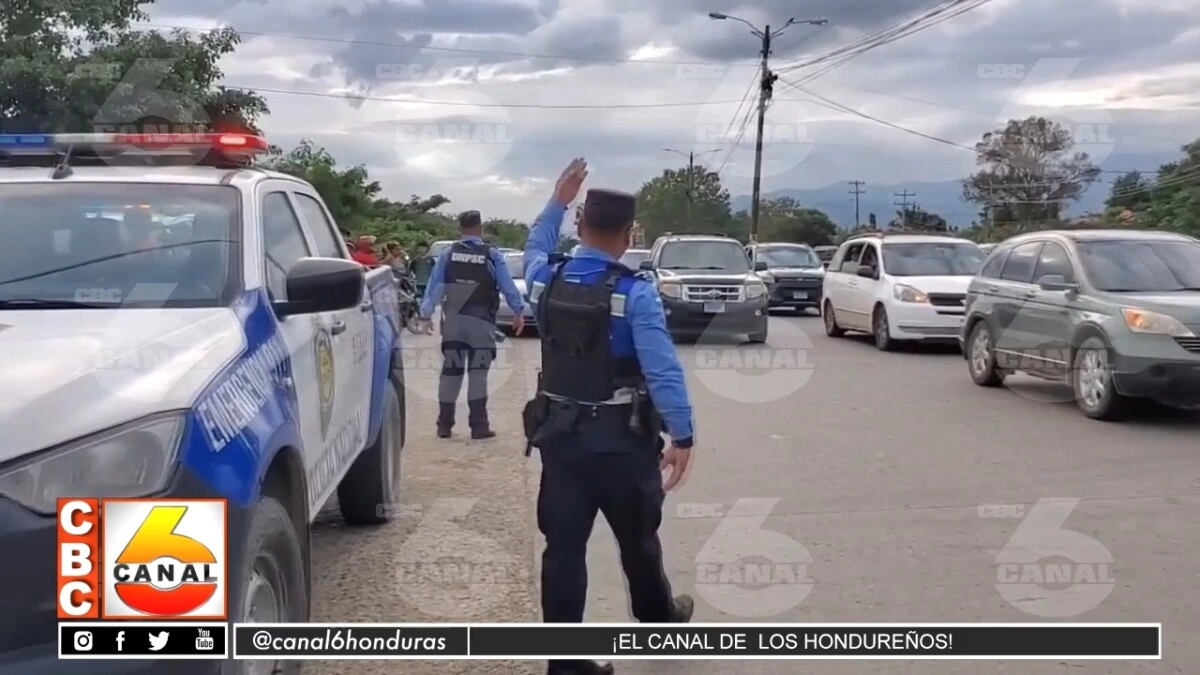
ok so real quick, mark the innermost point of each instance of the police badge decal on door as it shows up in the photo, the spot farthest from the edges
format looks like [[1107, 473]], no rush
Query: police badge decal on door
[[326, 384]]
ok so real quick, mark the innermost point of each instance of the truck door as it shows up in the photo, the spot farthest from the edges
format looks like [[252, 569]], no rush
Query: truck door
[[351, 332], [305, 336]]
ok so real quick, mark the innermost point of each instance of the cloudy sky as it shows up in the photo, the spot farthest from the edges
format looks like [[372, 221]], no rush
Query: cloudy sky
[[473, 98]]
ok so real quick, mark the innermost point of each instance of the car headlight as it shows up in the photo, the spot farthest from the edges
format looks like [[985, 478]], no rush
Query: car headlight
[[905, 293], [755, 290], [1154, 323], [671, 289], [134, 460]]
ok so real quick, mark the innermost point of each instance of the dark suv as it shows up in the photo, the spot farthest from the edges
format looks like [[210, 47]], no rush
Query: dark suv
[[708, 286], [794, 274], [1113, 313]]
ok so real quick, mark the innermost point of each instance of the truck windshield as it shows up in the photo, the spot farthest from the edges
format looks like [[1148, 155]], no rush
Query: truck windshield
[[1142, 266], [933, 259], [704, 255], [129, 245], [787, 256], [516, 265]]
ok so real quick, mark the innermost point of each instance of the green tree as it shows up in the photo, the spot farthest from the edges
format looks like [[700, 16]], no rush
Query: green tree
[[506, 233], [1029, 173], [1130, 191], [349, 193], [785, 219], [916, 218], [663, 203], [1170, 201], [77, 67]]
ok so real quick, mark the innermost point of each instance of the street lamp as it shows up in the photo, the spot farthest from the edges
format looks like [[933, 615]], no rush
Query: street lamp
[[691, 155], [765, 35]]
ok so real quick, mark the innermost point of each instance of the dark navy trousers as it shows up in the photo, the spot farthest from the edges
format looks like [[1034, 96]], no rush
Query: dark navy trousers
[[601, 469]]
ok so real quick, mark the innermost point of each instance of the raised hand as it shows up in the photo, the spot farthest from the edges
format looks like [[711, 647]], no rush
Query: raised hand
[[569, 183]]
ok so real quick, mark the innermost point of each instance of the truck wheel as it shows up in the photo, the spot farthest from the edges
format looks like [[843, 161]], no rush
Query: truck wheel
[[368, 492], [274, 588], [761, 336], [1092, 381]]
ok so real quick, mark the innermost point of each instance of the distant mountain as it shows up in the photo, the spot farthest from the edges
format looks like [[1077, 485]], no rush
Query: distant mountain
[[943, 198]]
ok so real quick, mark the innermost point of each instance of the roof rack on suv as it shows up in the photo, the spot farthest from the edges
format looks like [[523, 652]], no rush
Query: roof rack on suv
[[697, 234], [880, 234]]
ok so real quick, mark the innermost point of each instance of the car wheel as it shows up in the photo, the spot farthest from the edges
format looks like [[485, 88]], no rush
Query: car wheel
[[831, 325], [1093, 383], [761, 336], [882, 330], [274, 588], [981, 357], [369, 490]]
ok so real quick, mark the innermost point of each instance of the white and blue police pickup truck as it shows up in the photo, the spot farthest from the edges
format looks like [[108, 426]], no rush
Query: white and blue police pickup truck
[[176, 323]]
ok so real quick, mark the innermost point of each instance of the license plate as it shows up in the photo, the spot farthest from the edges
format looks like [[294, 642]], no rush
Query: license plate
[[799, 296], [714, 307]]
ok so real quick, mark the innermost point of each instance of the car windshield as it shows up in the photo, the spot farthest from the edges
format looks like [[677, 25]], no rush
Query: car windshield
[[132, 245], [932, 259], [787, 256], [1141, 266], [634, 259], [704, 255], [516, 266]]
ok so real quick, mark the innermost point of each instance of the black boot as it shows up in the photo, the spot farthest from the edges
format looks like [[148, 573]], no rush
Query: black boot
[[482, 434], [445, 420], [683, 608]]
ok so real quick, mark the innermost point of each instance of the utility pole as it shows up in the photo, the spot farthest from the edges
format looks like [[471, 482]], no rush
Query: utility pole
[[691, 180], [856, 191], [765, 88], [903, 204]]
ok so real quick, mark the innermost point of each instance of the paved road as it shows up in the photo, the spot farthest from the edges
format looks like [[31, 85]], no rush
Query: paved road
[[873, 465]]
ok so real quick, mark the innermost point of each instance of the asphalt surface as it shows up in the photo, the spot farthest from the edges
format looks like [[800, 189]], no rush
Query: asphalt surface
[[890, 481]]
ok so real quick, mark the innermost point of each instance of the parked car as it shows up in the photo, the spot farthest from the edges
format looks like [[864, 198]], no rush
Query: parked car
[[708, 286], [899, 287], [505, 316], [634, 257], [794, 274], [1113, 313], [825, 253], [987, 248]]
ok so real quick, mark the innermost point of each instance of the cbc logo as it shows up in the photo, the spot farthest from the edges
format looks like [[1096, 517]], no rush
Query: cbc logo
[[83, 641], [1001, 71]]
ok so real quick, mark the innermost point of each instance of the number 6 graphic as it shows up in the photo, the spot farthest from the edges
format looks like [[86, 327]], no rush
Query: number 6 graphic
[[1030, 565]]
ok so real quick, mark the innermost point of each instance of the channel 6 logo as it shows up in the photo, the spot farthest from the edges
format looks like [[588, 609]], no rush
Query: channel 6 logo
[[142, 559]]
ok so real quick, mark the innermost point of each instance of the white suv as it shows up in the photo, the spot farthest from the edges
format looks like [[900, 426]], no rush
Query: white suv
[[899, 287]]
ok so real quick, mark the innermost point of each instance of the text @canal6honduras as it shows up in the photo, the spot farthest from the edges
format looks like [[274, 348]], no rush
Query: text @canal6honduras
[[539, 642]]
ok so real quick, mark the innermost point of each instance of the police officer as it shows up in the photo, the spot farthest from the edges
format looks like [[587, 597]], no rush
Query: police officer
[[467, 279], [610, 382]]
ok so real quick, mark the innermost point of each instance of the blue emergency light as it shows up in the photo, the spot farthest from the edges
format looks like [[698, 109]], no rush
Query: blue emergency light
[[240, 144]]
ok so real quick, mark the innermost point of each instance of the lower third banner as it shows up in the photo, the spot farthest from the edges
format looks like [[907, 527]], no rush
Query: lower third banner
[[693, 641]]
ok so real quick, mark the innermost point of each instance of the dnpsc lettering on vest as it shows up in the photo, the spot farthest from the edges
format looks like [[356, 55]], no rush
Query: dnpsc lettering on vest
[[231, 406], [473, 258]]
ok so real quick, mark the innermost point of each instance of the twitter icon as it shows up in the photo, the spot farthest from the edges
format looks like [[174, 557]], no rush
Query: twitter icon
[[157, 642]]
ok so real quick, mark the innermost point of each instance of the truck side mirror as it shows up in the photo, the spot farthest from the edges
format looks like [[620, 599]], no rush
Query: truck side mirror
[[317, 285]]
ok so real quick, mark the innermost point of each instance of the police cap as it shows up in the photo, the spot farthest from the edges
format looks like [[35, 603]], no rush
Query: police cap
[[609, 209], [469, 219]]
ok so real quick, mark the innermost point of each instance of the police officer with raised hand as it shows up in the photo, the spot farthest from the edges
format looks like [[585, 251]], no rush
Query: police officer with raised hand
[[467, 280], [609, 384]]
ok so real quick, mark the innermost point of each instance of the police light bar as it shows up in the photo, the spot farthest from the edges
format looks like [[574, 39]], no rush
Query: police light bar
[[244, 144]]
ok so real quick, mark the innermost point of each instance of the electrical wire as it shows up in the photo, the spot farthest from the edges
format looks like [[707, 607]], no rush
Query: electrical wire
[[450, 50], [468, 104], [738, 141], [750, 89]]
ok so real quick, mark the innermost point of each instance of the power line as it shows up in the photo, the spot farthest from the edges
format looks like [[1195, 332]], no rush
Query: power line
[[733, 120], [738, 141], [451, 50], [856, 191], [468, 104]]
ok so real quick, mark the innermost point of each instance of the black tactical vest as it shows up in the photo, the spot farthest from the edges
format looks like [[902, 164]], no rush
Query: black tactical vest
[[471, 288], [574, 321]]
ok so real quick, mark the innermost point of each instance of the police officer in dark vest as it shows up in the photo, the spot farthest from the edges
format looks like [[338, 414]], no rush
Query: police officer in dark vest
[[467, 280], [610, 384]]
